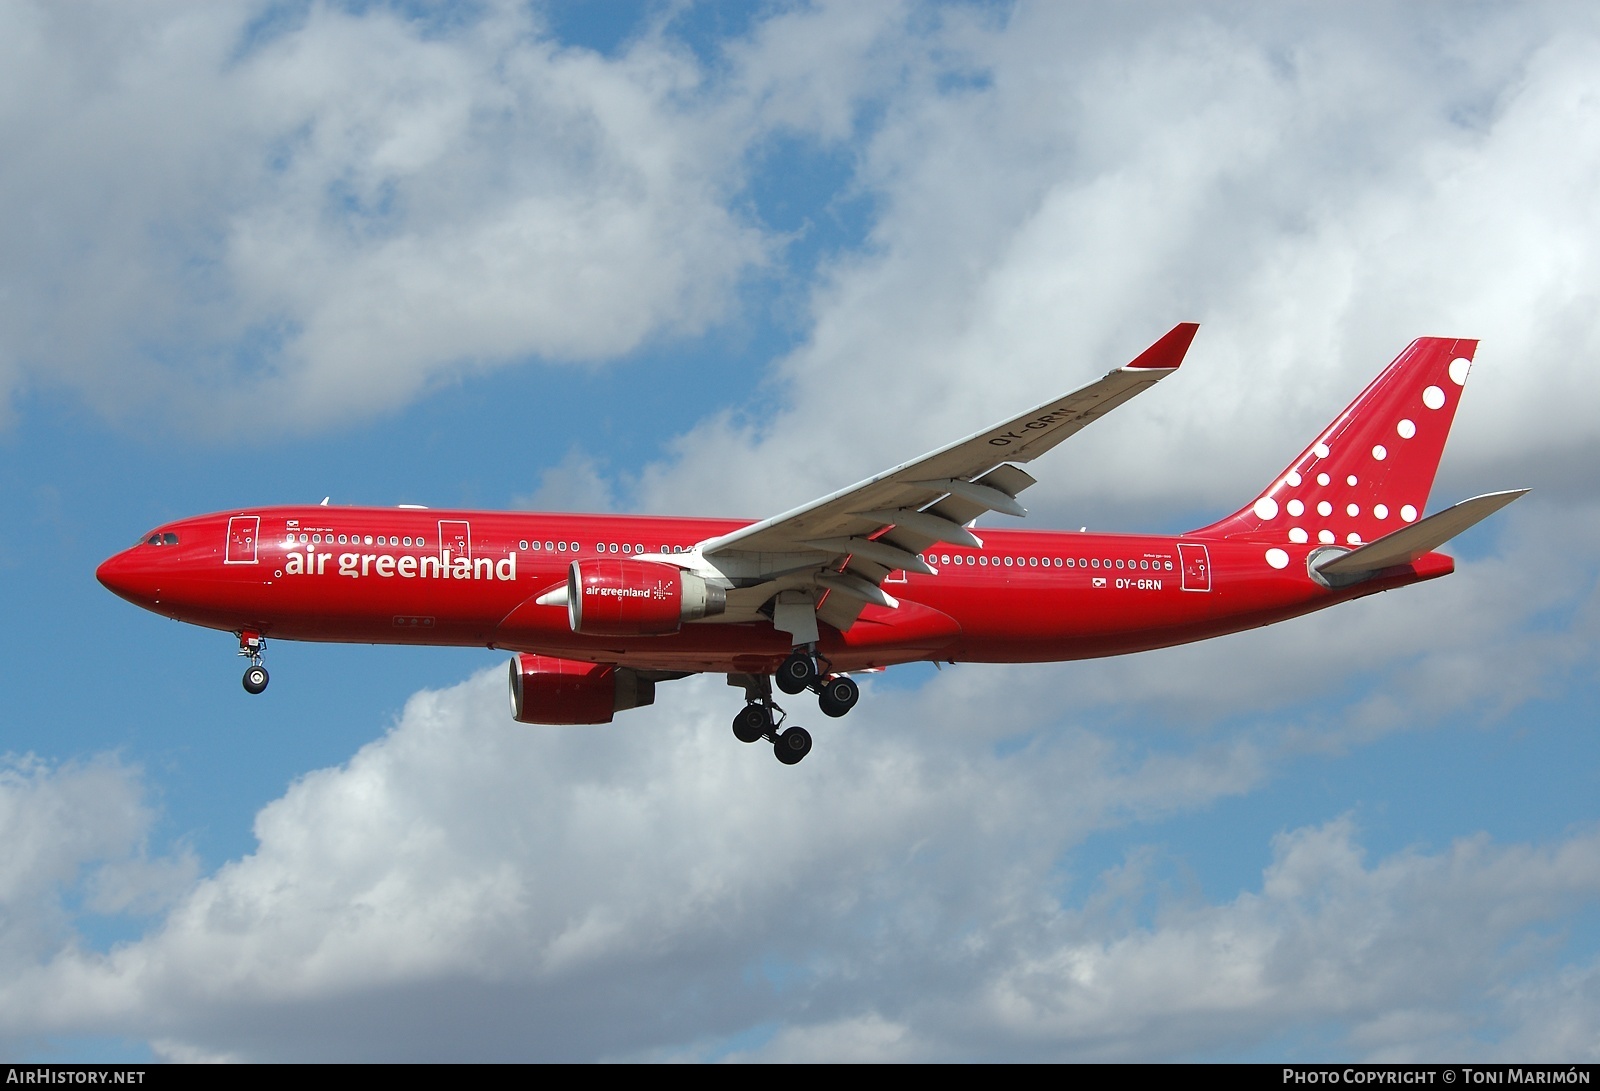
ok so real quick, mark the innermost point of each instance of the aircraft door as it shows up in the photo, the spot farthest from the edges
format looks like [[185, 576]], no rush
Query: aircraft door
[[455, 540], [242, 532], [1196, 563]]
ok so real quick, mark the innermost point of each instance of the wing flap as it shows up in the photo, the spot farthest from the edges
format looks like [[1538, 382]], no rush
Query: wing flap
[[957, 510], [840, 611]]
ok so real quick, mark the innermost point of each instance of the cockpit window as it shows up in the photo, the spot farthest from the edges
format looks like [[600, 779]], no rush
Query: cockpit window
[[159, 538], [169, 538]]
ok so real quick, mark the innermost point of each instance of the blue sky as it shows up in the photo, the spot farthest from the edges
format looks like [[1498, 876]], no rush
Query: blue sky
[[722, 259]]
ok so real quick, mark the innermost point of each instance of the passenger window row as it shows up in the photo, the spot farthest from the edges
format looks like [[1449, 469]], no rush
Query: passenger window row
[[1009, 561], [352, 539], [600, 547]]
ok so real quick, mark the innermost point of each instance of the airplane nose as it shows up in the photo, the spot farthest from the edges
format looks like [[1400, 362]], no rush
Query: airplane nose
[[127, 575]]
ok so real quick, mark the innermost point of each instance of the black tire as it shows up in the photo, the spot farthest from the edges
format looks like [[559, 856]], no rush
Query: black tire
[[839, 695], [796, 673], [751, 723], [255, 679], [792, 745]]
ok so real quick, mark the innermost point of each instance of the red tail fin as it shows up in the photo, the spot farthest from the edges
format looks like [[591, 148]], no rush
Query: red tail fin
[[1370, 471]]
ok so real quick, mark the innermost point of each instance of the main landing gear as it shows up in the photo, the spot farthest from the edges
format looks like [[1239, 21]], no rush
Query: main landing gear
[[836, 694], [255, 675], [762, 719]]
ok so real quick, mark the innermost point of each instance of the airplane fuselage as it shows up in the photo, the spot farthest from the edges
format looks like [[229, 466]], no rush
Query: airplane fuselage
[[472, 578]]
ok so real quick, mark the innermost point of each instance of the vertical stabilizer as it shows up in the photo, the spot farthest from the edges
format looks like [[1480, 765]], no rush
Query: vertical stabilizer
[[1369, 473]]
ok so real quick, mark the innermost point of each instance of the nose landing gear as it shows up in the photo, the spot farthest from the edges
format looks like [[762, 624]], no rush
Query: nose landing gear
[[255, 675]]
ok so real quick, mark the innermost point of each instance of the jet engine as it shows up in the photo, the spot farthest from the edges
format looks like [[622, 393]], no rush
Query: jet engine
[[615, 597], [547, 690]]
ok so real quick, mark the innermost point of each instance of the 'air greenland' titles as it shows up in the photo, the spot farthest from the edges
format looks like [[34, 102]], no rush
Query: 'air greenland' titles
[[405, 566]]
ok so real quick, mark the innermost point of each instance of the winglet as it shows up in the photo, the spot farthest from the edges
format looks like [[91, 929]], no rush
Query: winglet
[[1167, 353]]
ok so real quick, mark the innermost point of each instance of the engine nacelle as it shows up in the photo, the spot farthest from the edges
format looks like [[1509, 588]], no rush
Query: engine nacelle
[[616, 597], [547, 690]]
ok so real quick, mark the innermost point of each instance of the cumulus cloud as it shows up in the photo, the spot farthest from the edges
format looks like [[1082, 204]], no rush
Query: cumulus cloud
[[463, 887], [1317, 190], [76, 838], [577, 483], [562, 893], [310, 215]]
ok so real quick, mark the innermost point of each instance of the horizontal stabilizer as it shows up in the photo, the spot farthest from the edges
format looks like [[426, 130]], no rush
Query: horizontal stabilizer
[[1409, 543]]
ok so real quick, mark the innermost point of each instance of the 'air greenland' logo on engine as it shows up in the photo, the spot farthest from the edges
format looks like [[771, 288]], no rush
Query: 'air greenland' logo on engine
[[659, 593], [404, 566]]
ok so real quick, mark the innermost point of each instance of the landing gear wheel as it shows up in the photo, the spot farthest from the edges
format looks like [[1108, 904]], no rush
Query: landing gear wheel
[[255, 679], [797, 672], [839, 695], [792, 745], [751, 723]]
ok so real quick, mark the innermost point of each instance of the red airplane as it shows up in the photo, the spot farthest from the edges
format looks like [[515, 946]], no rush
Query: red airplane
[[600, 608]]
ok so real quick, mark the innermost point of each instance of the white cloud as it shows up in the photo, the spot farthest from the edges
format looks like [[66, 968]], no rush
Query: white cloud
[[466, 887], [577, 483], [296, 221], [1316, 190], [79, 828]]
